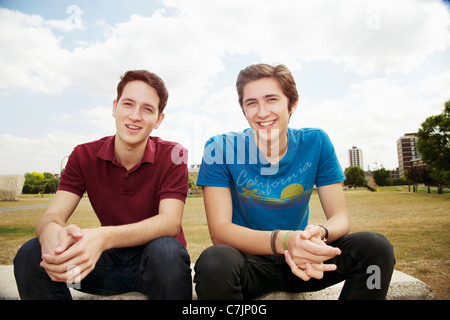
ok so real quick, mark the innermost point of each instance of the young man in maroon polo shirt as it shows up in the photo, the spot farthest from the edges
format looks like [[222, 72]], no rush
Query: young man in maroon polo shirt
[[137, 185]]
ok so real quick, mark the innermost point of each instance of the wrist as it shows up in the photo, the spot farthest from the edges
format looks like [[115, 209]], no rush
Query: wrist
[[106, 236], [49, 237], [273, 241], [281, 242], [324, 233]]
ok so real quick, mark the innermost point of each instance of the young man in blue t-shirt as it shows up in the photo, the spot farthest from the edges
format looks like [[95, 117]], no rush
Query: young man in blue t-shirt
[[257, 186]]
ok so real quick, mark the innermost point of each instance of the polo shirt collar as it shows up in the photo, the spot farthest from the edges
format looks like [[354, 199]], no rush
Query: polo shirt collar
[[106, 151]]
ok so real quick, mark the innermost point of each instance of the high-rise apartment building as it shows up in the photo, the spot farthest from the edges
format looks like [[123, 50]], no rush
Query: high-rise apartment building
[[407, 152], [355, 157]]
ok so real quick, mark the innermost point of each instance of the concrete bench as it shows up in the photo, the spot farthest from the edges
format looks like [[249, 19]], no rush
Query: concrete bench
[[402, 287]]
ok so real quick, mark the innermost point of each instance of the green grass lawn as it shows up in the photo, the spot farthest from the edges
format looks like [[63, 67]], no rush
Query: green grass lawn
[[417, 224]]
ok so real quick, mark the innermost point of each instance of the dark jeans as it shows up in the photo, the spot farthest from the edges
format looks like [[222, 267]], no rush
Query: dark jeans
[[222, 272], [160, 269]]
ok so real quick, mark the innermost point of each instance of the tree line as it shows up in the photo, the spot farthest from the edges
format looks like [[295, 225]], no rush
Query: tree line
[[355, 177], [434, 146], [46, 182], [36, 182]]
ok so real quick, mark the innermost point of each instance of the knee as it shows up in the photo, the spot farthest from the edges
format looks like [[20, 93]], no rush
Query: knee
[[219, 263], [27, 263], [166, 270], [165, 252], [218, 259], [378, 248], [29, 254], [217, 273]]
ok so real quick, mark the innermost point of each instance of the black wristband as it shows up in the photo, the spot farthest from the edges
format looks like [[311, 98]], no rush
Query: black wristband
[[326, 233], [273, 238]]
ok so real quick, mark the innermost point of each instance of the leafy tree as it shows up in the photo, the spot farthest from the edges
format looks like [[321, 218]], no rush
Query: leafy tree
[[434, 140], [419, 174], [434, 145], [191, 182], [36, 182], [381, 177], [355, 177], [37, 175], [48, 175]]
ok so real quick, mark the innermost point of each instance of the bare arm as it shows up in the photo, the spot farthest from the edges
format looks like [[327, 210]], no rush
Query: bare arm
[[166, 223], [333, 203], [218, 205]]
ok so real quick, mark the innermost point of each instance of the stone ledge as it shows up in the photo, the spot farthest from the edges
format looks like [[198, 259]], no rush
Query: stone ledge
[[402, 287]]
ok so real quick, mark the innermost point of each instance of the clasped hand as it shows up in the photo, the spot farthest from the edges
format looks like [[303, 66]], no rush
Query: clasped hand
[[306, 252], [74, 256]]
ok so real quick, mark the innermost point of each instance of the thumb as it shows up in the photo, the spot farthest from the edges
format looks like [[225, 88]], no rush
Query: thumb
[[74, 231], [305, 235], [73, 234]]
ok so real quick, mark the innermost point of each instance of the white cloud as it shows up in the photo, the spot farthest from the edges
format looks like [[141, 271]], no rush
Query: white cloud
[[188, 44], [372, 115], [365, 36], [172, 47], [31, 56], [20, 154], [100, 117], [438, 83], [73, 22], [187, 48]]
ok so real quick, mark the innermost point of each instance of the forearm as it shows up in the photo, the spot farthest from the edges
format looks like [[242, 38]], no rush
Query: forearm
[[55, 217], [244, 239], [247, 240], [46, 223], [338, 226], [140, 233], [218, 206], [333, 203]]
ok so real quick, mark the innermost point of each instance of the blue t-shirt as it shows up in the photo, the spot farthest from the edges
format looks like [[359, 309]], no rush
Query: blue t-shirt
[[270, 196]]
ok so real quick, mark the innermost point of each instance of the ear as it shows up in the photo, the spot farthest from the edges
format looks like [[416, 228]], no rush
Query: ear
[[160, 119], [294, 107], [114, 108]]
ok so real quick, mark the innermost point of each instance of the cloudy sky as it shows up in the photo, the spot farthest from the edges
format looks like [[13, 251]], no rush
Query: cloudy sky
[[367, 71]]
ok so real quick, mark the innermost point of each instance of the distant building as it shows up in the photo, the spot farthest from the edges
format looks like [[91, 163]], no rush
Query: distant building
[[355, 157], [394, 174], [407, 153]]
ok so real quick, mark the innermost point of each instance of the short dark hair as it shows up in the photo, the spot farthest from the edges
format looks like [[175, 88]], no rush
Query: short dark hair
[[149, 78]]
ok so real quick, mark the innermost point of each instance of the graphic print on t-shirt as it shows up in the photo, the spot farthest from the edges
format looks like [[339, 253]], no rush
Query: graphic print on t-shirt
[[291, 196], [279, 193]]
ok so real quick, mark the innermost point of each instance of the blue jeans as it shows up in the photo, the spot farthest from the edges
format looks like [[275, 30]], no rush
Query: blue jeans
[[160, 269], [223, 272]]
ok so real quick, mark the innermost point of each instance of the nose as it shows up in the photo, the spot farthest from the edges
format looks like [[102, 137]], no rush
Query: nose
[[263, 110], [135, 114]]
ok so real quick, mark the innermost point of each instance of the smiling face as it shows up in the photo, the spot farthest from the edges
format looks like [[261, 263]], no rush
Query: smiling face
[[266, 110], [136, 114]]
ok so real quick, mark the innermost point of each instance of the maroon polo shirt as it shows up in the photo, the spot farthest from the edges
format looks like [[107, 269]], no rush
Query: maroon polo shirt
[[119, 196]]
